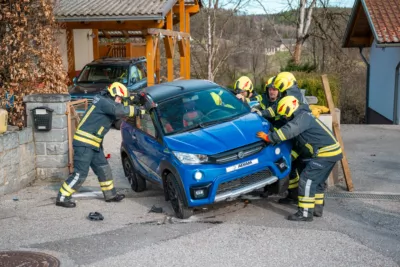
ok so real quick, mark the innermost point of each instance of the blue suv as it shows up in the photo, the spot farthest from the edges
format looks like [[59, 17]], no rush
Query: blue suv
[[198, 142]]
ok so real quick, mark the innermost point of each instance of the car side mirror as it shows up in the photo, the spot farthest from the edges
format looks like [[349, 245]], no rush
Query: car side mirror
[[74, 80]]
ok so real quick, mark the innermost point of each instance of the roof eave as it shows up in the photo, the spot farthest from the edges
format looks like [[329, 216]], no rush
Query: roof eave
[[107, 18], [350, 25]]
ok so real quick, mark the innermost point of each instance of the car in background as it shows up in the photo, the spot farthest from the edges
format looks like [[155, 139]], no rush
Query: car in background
[[198, 142], [100, 73]]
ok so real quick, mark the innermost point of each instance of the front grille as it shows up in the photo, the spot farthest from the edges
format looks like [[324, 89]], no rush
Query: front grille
[[237, 153], [244, 181]]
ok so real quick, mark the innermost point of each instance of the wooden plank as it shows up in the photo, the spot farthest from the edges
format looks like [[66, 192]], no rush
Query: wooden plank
[[96, 50], [106, 34], [336, 130], [187, 22], [70, 148], [167, 33], [170, 50], [126, 34], [150, 60], [189, 9], [181, 43]]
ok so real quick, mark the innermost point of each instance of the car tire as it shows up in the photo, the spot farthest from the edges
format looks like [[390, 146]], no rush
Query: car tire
[[138, 184], [117, 124], [176, 198]]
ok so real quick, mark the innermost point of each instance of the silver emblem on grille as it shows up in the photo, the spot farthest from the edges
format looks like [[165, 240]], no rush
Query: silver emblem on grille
[[240, 154]]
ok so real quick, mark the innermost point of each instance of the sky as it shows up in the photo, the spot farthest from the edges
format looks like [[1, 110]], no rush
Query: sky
[[275, 6]]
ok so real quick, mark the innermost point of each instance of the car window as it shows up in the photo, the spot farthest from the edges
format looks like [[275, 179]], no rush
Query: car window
[[145, 124], [104, 74], [142, 70], [135, 75], [199, 109]]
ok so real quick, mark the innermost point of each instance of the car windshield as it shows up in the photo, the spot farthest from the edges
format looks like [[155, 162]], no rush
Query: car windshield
[[104, 74], [199, 109]]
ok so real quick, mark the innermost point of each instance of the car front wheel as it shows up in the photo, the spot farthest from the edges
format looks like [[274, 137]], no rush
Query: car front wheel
[[138, 184], [176, 198]]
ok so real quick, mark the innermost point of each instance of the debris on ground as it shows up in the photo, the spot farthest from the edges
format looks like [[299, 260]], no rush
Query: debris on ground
[[15, 198], [95, 216], [156, 209]]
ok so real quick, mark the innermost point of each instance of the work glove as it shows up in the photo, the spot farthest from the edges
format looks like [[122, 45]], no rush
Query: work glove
[[263, 136], [256, 111]]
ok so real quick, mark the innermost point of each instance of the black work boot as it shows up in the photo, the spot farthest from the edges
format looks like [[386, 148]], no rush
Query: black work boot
[[298, 216], [66, 204], [291, 198], [117, 198], [318, 210]]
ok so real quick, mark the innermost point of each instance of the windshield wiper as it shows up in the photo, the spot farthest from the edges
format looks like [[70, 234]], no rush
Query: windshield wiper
[[209, 123], [191, 128]]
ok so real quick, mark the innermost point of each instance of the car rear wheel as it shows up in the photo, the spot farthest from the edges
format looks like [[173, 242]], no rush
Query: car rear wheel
[[176, 198], [138, 184]]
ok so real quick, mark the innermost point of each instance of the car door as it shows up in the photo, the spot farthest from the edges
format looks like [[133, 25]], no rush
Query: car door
[[149, 145]]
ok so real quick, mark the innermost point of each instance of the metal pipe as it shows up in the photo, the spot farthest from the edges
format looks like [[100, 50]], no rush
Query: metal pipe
[[368, 76], [396, 96]]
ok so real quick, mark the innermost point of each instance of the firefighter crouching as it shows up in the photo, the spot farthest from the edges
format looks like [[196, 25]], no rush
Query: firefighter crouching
[[320, 152], [87, 144]]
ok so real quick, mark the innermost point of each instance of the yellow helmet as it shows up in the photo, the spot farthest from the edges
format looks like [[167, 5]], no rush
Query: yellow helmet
[[284, 81], [269, 83], [118, 89], [287, 106], [243, 84]]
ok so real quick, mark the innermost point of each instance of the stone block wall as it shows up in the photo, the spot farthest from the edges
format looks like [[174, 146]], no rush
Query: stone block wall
[[51, 146], [17, 159]]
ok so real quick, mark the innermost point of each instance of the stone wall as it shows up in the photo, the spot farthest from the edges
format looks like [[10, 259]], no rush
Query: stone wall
[[17, 159], [51, 146]]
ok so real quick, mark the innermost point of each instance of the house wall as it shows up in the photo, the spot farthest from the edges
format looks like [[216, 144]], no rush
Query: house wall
[[383, 62]]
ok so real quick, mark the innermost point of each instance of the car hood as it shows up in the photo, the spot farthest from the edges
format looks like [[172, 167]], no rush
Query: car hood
[[89, 88], [219, 138]]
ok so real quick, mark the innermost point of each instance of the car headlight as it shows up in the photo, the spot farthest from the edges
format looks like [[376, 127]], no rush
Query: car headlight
[[187, 158]]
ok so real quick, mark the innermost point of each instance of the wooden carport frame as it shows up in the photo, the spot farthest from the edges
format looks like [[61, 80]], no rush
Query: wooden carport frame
[[154, 32]]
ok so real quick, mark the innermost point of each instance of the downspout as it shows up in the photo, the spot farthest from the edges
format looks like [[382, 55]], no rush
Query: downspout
[[368, 76], [396, 96]]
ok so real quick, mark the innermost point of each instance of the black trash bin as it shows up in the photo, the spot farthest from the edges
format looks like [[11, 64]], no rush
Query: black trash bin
[[42, 118]]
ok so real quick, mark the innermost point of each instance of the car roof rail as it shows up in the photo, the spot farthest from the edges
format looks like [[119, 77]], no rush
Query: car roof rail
[[136, 59]]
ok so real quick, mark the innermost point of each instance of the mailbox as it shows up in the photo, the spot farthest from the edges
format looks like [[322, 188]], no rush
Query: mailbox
[[42, 118]]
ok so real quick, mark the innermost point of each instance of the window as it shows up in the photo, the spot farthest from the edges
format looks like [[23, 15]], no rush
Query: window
[[145, 124], [104, 74], [135, 75]]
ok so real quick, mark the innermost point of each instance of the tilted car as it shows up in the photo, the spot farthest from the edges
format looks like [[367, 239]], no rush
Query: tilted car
[[198, 142], [100, 73]]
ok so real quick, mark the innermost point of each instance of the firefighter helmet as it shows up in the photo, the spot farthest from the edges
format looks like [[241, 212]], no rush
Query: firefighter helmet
[[284, 81], [269, 83], [243, 84], [118, 89], [287, 106]]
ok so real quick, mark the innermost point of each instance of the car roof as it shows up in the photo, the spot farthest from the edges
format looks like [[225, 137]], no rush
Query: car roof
[[168, 90], [116, 61]]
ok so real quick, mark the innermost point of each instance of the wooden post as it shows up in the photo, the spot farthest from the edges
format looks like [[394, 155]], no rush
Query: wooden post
[[187, 23], [336, 130], [158, 62], [96, 53], [70, 53], [150, 59], [182, 28], [70, 148], [170, 58]]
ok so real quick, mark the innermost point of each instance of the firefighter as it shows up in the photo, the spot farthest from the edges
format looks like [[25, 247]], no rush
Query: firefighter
[[320, 152], [244, 91], [88, 139]]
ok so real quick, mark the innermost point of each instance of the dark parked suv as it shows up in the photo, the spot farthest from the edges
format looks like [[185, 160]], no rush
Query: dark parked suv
[[100, 73]]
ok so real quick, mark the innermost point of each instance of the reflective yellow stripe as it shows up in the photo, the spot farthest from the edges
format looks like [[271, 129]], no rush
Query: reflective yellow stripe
[[100, 131], [271, 111], [307, 199], [68, 188], [106, 183], [293, 186], [295, 180], [86, 116], [65, 193], [307, 205], [326, 129], [319, 195], [131, 111], [310, 148], [319, 202], [281, 135], [330, 154], [262, 105], [294, 154], [107, 188], [87, 141], [329, 148], [88, 135]]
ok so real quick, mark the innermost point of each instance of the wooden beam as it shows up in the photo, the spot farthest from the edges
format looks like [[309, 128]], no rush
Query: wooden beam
[[106, 34], [190, 9], [353, 23], [187, 23], [336, 130], [181, 43], [167, 32], [70, 54], [170, 48], [126, 34], [158, 63], [95, 41], [114, 25], [150, 60]]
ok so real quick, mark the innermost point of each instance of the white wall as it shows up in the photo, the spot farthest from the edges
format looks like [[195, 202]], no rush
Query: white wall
[[83, 48], [382, 78], [61, 37]]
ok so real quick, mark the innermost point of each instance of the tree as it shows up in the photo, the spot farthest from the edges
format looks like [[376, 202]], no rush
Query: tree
[[29, 58]]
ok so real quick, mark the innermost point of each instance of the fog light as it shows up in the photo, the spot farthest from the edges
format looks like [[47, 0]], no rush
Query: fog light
[[198, 175], [277, 151], [281, 164], [199, 193]]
